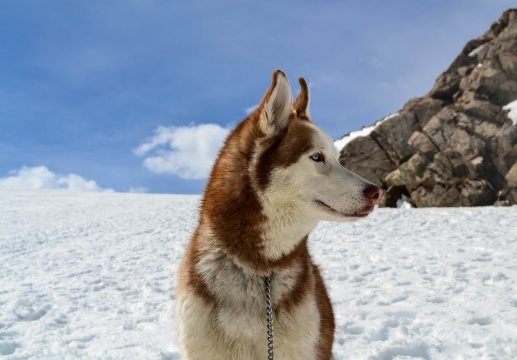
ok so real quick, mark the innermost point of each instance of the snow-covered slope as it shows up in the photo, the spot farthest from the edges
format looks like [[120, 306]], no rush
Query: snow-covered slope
[[365, 131], [92, 275]]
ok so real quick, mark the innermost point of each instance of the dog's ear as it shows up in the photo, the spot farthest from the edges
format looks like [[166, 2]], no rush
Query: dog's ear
[[301, 105], [276, 105]]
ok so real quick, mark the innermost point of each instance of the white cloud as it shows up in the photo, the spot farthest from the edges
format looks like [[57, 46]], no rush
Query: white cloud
[[186, 151], [40, 177]]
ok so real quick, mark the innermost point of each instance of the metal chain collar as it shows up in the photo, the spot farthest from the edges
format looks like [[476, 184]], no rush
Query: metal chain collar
[[269, 313]]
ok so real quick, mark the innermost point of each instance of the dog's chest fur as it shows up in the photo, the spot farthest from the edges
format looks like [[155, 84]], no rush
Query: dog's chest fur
[[241, 295], [236, 316]]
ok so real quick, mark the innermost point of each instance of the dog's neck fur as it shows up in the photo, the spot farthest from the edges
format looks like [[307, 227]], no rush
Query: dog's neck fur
[[258, 233]]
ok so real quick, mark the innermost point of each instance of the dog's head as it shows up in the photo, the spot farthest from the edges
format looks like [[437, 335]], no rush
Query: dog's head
[[295, 164]]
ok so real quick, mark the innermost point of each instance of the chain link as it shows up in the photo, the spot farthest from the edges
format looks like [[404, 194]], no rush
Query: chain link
[[269, 312]]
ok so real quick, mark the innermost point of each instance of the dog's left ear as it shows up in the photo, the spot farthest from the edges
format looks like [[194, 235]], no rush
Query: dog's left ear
[[276, 105], [301, 104]]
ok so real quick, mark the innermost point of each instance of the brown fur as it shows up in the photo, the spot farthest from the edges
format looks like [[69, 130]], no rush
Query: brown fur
[[302, 101]]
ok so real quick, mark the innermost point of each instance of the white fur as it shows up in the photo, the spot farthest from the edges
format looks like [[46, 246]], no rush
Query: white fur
[[236, 329], [289, 199], [239, 336]]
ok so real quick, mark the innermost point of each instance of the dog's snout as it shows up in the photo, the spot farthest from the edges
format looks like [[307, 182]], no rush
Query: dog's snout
[[373, 194]]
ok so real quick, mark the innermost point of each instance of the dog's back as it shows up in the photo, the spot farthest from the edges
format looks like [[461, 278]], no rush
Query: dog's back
[[276, 176]]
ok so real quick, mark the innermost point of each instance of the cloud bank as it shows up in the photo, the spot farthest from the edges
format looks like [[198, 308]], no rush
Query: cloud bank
[[186, 151], [40, 177]]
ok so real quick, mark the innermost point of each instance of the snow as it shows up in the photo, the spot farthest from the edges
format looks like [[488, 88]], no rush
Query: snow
[[477, 50], [512, 114], [404, 202], [365, 131], [92, 275]]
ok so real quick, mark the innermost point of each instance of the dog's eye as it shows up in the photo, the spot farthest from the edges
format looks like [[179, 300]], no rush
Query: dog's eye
[[317, 157]]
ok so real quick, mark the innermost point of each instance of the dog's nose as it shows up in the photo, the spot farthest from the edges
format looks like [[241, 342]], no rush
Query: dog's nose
[[373, 194]]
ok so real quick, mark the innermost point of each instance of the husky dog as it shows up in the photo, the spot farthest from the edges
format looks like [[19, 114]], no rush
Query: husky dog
[[276, 177]]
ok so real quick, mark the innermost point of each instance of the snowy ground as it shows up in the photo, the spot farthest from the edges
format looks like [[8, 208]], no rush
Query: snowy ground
[[92, 275]]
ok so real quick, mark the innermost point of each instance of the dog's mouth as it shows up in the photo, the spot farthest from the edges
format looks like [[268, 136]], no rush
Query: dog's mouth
[[358, 214]]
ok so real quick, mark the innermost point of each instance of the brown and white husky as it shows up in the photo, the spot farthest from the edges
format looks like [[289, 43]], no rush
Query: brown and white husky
[[276, 177]]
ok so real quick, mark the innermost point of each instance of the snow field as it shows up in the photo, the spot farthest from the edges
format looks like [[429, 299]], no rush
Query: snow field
[[92, 275], [427, 284]]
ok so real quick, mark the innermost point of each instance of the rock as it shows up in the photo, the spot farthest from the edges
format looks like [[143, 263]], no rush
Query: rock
[[393, 196], [494, 84], [511, 177], [501, 199], [388, 133], [412, 171], [504, 148], [512, 197], [472, 105], [423, 144], [455, 146], [423, 108], [394, 179], [440, 127], [446, 86], [439, 196], [357, 155]]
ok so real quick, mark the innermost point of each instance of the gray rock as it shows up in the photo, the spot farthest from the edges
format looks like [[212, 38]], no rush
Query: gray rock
[[511, 177], [389, 133], [360, 153], [454, 146], [412, 171]]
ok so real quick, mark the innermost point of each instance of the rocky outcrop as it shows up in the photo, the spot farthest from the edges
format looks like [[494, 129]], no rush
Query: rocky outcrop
[[456, 146]]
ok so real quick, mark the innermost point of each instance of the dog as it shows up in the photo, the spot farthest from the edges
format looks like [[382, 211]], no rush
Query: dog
[[276, 176]]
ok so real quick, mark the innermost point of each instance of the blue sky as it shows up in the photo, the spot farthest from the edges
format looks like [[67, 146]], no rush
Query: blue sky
[[137, 95]]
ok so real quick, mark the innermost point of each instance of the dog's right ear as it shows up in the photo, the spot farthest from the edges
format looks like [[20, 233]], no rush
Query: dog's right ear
[[276, 106]]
